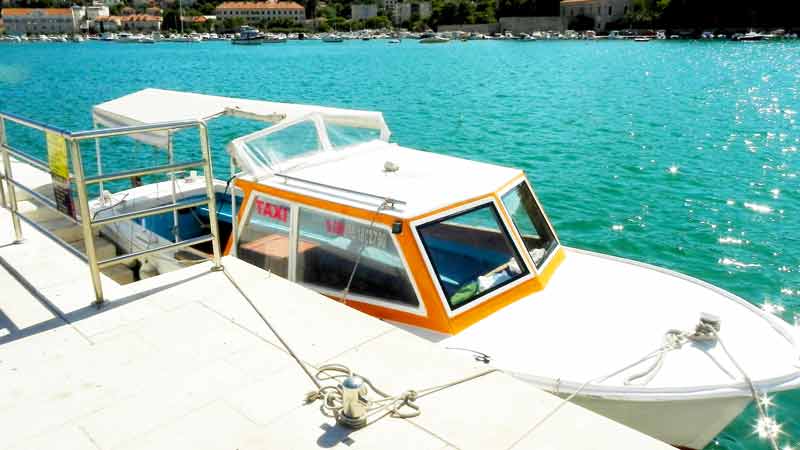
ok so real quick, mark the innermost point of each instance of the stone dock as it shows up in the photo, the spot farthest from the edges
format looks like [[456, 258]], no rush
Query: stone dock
[[181, 361]]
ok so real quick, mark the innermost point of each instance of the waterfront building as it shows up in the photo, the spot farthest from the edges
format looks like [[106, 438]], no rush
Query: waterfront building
[[153, 11], [97, 9], [255, 12], [20, 21], [405, 10], [601, 12], [140, 23], [104, 24], [360, 11]]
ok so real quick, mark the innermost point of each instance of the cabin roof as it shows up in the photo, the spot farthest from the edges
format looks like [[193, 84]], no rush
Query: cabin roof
[[425, 181], [150, 106]]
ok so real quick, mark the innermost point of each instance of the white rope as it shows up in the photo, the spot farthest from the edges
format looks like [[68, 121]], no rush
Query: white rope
[[346, 291], [673, 340], [387, 405]]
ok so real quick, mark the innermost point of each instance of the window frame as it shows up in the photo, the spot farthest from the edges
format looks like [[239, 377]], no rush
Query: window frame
[[511, 234], [518, 235], [294, 230]]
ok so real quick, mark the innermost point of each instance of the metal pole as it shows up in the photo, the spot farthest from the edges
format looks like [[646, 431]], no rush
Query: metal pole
[[212, 198], [175, 229], [86, 222], [99, 160], [12, 195], [234, 216]]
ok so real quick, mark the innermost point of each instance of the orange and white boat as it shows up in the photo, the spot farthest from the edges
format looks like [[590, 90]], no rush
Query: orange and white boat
[[462, 253]]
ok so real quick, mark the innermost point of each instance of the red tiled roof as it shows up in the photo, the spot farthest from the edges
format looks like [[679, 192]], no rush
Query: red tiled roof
[[140, 18], [8, 12], [260, 5]]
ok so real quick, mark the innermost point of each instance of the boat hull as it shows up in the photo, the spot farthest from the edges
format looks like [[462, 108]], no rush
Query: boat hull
[[689, 424]]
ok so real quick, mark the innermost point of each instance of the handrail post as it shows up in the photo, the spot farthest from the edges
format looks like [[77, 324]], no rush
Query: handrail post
[[12, 195], [2, 176], [234, 216], [210, 192], [86, 221]]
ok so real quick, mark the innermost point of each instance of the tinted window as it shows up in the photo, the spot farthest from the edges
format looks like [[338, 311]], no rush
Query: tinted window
[[327, 250], [530, 222], [471, 254], [264, 241]]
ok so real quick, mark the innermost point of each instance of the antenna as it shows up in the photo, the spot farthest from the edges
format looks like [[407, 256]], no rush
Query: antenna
[[180, 15]]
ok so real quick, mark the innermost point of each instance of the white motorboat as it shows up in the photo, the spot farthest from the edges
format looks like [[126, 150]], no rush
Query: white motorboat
[[248, 36], [275, 39], [461, 253], [108, 36], [332, 38], [191, 38], [433, 39]]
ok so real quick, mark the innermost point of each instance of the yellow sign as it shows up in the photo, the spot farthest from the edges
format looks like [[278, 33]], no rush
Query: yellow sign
[[57, 155]]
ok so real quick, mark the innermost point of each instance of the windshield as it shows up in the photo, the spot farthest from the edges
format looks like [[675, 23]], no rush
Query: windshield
[[471, 254], [530, 222], [290, 145]]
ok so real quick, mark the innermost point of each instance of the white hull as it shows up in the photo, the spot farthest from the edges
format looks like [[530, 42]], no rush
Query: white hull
[[689, 424], [603, 328]]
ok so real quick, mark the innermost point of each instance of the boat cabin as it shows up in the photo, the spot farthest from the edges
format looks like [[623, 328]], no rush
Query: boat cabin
[[322, 198], [423, 239]]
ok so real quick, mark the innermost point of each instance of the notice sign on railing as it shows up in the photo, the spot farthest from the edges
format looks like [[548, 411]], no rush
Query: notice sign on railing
[[59, 172]]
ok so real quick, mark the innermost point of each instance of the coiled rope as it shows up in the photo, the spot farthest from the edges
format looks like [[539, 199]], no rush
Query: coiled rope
[[387, 405], [673, 340], [331, 394]]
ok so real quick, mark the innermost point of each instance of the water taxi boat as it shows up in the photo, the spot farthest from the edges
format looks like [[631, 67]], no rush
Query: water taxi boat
[[462, 253], [248, 36]]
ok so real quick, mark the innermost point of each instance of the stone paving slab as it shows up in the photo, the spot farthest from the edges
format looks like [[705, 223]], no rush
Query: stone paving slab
[[180, 361]]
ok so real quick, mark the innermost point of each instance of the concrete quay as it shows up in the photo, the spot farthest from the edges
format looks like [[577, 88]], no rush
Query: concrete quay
[[181, 361]]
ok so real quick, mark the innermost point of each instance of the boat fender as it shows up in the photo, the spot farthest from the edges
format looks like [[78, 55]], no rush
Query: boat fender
[[147, 270], [106, 198]]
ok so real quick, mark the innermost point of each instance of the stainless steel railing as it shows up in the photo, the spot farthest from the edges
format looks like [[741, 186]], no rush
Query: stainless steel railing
[[8, 197]]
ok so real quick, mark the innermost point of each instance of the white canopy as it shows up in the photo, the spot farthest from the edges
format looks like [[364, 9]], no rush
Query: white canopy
[[150, 106]]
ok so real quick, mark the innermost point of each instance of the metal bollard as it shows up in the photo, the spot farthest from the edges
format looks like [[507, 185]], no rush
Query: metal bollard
[[354, 403]]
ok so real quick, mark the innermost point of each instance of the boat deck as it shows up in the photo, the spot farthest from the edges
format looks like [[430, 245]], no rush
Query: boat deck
[[180, 361]]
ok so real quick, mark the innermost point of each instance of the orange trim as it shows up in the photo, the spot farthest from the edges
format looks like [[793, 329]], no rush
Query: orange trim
[[436, 318]]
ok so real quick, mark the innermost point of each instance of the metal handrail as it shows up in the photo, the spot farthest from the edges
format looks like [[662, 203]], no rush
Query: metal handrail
[[88, 223], [26, 159], [172, 246], [35, 124], [391, 200], [149, 212], [45, 201], [134, 129], [142, 172]]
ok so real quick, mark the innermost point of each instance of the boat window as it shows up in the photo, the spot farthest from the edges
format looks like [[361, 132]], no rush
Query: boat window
[[530, 222], [344, 136], [292, 143], [329, 246], [264, 241], [471, 253]]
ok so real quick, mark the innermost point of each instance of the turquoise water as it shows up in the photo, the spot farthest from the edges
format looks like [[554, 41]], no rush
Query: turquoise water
[[681, 154]]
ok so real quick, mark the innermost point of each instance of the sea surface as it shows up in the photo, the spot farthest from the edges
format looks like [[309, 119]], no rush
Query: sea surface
[[683, 154]]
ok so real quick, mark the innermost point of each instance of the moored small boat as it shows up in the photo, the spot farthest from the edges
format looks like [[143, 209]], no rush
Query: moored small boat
[[462, 253]]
